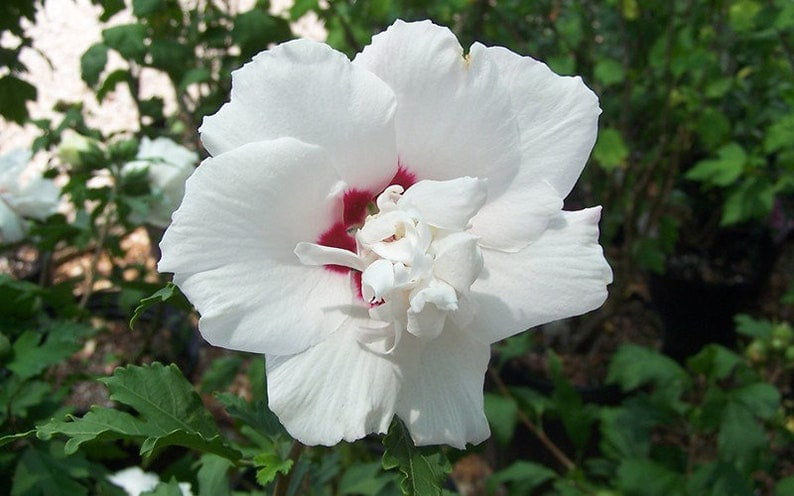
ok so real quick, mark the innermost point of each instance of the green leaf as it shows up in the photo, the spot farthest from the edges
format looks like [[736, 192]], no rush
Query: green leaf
[[522, 476], [255, 29], [742, 14], [46, 473], [785, 487], [626, 430], [127, 39], [143, 8], [14, 95], [169, 413], [195, 75], [421, 475], [718, 479], [760, 398], [110, 8], [256, 415], [502, 416], [715, 362], [741, 436], [780, 134], [213, 476], [722, 171], [753, 198], [576, 416], [634, 366], [649, 478], [10, 438], [609, 72], [168, 294], [170, 488], [110, 82], [269, 466], [170, 55], [610, 151], [93, 62], [33, 353], [755, 328], [363, 479]]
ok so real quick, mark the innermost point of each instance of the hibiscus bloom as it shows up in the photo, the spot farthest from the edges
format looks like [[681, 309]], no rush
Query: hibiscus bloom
[[374, 226], [168, 165], [23, 196]]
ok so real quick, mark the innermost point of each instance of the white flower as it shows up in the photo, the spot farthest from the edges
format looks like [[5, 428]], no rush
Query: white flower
[[461, 163], [169, 165], [135, 481], [23, 195]]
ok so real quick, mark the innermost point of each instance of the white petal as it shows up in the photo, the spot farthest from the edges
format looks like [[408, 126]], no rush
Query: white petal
[[557, 117], [441, 400], [517, 217], [458, 260], [12, 227], [333, 391], [560, 275], [314, 254], [427, 323], [454, 116], [447, 204], [231, 248], [377, 280], [308, 91]]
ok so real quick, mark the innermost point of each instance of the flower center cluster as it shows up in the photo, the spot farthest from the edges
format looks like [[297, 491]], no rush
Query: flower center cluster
[[414, 273]]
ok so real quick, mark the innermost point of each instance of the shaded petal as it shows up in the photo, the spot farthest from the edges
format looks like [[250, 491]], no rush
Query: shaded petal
[[454, 117], [557, 117], [308, 91], [447, 204], [231, 247], [560, 275], [333, 391], [314, 254], [458, 260], [441, 400], [12, 227]]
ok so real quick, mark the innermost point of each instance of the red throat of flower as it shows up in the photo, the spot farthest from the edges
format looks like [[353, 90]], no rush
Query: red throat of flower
[[355, 202]]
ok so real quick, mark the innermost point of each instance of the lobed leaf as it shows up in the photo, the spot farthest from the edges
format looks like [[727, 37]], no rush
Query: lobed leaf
[[421, 475]]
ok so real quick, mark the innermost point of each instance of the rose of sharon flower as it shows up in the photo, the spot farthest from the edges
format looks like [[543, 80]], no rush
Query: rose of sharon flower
[[23, 195], [373, 226], [169, 165], [135, 481]]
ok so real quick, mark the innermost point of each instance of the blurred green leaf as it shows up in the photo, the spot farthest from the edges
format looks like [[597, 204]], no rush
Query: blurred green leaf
[[127, 39], [633, 366], [609, 72], [213, 476], [780, 134], [785, 487], [47, 473], [742, 14], [648, 478], [610, 151], [522, 476], [363, 479], [141, 8], [723, 170], [14, 95], [715, 362], [502, 416], [168, 294], [170, 488], [753, 327], [93, 62]]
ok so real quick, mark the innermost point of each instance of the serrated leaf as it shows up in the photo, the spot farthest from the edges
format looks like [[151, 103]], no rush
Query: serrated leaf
[[168, 294], [93, 62], [715, 362], [760, 398], [33, 353], [269, 466], [633, 366], [10, 438], [169, 413], [421, 475]]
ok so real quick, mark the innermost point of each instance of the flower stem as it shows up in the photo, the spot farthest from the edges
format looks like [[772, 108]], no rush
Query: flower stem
[[283, 480], [561, 457]]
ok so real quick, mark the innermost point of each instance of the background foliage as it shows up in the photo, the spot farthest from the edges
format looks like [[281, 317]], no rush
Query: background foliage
[[694, 165]]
